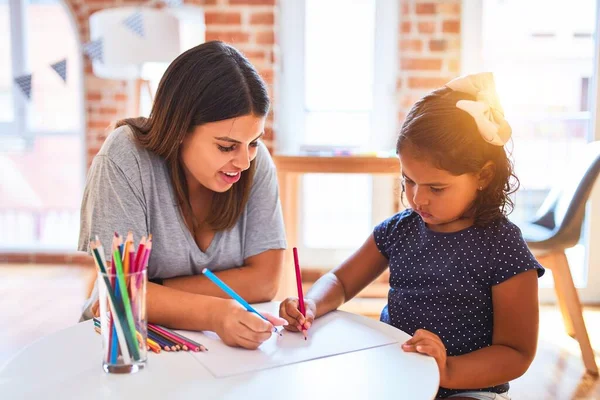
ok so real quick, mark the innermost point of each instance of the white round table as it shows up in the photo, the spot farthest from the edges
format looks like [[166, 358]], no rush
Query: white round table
[[67, 365]]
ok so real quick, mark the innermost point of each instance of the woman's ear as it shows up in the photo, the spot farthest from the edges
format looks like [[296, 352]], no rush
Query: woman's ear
[[486, 174]]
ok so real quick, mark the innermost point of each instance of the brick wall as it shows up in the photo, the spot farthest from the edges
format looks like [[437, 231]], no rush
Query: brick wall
[[247, 24], [429, 48], [429, 51]]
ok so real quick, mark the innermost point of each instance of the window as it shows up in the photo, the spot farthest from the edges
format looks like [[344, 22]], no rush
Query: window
[[543, 67], [41, 139], [338, 83]]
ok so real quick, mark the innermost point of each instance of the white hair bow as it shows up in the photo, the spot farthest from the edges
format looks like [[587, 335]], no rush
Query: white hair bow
[[486, 109]]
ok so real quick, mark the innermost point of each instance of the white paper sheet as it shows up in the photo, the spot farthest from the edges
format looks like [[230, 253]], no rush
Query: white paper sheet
[[330, 335]]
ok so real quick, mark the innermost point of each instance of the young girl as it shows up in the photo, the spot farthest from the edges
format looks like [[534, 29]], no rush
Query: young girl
[[462, 280]]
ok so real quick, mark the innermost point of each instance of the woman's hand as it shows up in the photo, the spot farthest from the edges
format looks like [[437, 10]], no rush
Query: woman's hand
[[240, 328], [429, 343], [289, 309]]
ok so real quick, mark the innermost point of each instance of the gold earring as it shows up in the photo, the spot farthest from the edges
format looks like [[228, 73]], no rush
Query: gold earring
[[480, 188]]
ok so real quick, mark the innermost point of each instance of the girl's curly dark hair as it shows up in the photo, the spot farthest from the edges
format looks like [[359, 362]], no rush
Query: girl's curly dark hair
[[446, 135]]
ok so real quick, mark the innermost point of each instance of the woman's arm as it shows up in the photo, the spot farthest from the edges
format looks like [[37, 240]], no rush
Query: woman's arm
[[347, 280], [181, 310], [514, 341], [256, 281]]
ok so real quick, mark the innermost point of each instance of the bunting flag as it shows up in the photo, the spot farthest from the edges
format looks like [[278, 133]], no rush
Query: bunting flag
[[61, 69], [24, 83], [135, 22], [93, 50]]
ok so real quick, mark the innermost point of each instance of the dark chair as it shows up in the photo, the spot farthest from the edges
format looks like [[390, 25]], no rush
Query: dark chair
[[556, 227]]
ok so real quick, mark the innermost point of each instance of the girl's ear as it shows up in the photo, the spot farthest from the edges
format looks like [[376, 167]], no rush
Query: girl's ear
[[486, 174]]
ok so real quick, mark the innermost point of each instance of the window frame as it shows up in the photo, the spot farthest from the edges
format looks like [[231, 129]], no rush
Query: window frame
[[18, 127], [472, 61], [290, 93], [16, 135]]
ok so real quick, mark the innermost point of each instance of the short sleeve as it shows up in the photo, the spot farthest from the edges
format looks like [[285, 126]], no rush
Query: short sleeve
[[512, 255], [112, 202], [264, 221], [384, 233]]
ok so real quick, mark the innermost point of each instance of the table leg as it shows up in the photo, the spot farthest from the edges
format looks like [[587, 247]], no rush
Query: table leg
[[288, 190]]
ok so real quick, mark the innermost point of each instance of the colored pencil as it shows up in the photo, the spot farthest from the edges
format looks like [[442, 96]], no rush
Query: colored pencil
[[126, 303], [176, 338], [119, 323], [172, 332], [300, 292]]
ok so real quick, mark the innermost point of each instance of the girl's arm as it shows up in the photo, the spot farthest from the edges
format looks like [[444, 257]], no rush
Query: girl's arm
[[514, 339], [256, 281], [347, 280]]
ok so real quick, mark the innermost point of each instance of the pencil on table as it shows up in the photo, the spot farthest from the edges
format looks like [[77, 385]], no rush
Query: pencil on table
[[188, 340], [189, 344]]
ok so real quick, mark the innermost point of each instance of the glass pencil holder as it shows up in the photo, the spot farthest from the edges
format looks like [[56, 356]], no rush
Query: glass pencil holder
[[123, 322]]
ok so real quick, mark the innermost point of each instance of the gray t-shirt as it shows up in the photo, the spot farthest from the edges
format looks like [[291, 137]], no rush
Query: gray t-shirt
[[129, 188]]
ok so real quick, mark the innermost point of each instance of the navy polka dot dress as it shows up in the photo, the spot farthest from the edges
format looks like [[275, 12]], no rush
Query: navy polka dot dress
[[443, 282]]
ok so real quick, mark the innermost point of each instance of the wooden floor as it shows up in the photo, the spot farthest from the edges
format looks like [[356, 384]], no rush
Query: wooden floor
[[38, 300]]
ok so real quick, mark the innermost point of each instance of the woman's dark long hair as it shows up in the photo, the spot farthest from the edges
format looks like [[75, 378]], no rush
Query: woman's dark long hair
[[208, 83], [448, 136]]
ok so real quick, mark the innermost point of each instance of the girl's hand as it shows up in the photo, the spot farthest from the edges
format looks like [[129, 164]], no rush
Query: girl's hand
[[289, 309], [429, 343], [240, 328]]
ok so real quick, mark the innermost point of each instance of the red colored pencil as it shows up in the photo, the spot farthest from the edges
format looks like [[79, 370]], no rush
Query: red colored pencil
[[299, 285]]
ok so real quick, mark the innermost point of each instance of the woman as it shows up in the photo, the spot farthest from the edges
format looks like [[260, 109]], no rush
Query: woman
[[196, 176]]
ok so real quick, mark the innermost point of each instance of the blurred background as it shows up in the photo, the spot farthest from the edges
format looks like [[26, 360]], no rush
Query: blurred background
[[342, 74]]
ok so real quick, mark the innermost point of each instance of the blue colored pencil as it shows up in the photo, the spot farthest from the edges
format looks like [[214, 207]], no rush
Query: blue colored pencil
[[233, 294]]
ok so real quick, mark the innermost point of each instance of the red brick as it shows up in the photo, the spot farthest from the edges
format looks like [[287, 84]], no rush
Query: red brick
[[262, 18], [426, 27], [449, 9], [108, 110], [222, 18], [228, 36], [253, 2], [438, 45], [255, 54], [425, 8], [411, 45], [267, 37], [405, 27], [93, 97], [421, 64], [451, 26], [418, 82], [267, 75]]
